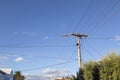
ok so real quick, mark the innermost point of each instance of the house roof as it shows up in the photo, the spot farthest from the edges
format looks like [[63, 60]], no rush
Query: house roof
[[2, 72], [6, 70]]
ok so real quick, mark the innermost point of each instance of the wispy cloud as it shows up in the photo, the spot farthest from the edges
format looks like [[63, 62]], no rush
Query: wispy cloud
[[3, 58], [55, 73], [117, 38], [19, 59], [46, 37], [2, 65], [26, 33], [50, 71], [63, 26], [35, 77]]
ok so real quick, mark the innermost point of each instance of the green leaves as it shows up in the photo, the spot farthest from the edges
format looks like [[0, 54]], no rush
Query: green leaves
[[108, 68], [18, 76], [91, 71]]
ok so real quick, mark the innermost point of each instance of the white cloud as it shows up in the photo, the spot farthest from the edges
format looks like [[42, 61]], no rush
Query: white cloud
[[25, 33], [117, 38], [48, 74], [19, 59], [3, 58], [15, 33], [46, 37], [55, 73], [50, 71], [2, 64], [35, 77], [63, 26]]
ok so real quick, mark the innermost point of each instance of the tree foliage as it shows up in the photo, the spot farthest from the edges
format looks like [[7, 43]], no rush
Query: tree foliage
[[79, 75], [108, 68], [91, 71], [18, 76]]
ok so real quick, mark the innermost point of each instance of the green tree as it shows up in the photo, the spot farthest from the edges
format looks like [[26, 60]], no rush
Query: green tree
[[110, 67], [91, 71], [18, 76], [79, 75]]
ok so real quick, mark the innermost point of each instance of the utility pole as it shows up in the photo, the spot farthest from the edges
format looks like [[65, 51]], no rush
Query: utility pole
[[79, 36]]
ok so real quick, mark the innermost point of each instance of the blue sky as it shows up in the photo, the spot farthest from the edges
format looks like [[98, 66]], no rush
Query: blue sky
[[31, 30]]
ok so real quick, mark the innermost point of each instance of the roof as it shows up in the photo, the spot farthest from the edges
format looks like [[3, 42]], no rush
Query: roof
[[6, 70], [2, 72]]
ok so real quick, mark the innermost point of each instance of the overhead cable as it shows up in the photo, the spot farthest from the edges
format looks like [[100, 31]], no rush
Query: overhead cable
[[57, 64], [102, 19], [33, 46], [84, 14]]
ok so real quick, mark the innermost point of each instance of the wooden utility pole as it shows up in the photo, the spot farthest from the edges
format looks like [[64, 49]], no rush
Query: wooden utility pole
[[79, 36]]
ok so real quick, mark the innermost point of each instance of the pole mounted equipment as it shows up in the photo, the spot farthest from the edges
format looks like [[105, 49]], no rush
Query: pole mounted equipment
[[79, 36]]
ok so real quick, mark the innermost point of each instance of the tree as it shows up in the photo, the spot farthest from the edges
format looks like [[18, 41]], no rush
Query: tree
[[18, 76], [91, 71], [110, 67], [79, 76]]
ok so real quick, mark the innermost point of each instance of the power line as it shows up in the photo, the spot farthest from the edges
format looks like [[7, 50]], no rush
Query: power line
[[84, 14], [72, 55], [109, 18], [118, 10], [37, 46], [54, 58], [94, 27], [33, 46], [57, 64], [88, 51], [84, 29], [108, 38], [94, 49]]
